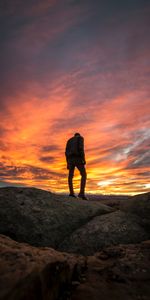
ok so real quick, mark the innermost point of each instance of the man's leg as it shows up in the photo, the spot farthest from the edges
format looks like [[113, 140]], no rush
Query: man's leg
[[70, 179], [82, 170]]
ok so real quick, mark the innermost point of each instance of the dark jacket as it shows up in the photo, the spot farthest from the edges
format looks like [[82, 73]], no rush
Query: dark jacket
[[75, 148]]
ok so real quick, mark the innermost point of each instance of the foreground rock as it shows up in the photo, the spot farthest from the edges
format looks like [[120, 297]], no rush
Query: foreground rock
[[119, 272], [42, 218], [111, 229], [33, 273], [131, 224]]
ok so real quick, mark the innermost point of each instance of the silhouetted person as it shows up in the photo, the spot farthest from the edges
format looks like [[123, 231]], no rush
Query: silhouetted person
[[75, 157]]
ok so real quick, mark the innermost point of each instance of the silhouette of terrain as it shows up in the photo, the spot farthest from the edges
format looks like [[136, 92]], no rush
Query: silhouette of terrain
[[53, 247]]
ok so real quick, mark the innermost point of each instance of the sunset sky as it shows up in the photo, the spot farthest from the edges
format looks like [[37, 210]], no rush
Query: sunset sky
[[71, 66]]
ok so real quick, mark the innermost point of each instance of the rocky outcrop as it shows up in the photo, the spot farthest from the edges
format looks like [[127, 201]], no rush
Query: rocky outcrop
[[28, 272], [115, 266], [130, 224], [41, 218], [119, 272], [139, 205], [111, 229]]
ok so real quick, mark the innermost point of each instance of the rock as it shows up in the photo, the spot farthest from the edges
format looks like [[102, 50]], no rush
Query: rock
[[45, 219], [28, 272], [111, 229], [117, 272], [123, 276], [139, 205], [41, 218]]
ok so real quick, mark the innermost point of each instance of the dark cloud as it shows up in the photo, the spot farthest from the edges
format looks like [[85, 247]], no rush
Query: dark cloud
[[41, 173], [23, 9], [4, 183], [32, 52], [109, 67], [62, 40], [10, 171], [145, 174], [139, 154], [105, 149], [112, 153], [7, 171], [49, 148], [47, 159], [73, 122], [140, 162]]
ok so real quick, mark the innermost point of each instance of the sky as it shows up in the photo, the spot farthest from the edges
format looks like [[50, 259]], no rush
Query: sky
[[71, 66]]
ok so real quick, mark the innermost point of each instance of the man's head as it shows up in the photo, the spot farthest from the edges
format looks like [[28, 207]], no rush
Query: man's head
[[77, 134]]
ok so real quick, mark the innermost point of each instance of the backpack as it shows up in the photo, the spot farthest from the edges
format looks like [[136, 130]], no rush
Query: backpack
[[72, 148]]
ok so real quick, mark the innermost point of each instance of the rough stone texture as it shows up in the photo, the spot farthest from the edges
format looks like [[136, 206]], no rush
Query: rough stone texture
[[119, 272], [72, 225], [139, 205], [42, 218], [111, 229], [28, 272]]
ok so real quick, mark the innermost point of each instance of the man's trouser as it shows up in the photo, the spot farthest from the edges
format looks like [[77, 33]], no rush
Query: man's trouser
[[80, 166]]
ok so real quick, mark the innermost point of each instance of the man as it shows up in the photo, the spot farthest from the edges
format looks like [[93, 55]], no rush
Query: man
[[75, 157]]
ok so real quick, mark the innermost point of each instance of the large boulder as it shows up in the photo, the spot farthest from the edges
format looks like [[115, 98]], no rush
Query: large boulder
[[119, 272], [111, 229], [27, 272], [42, 218], [139, 205], [46, 219]]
